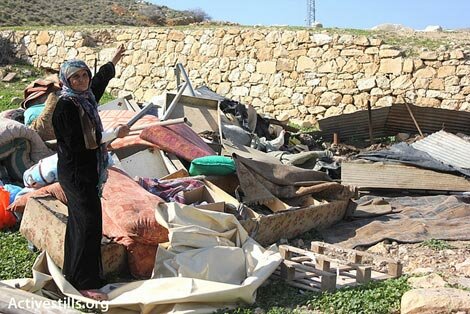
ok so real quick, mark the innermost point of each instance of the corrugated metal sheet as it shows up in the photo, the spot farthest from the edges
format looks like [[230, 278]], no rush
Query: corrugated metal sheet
[[389, 121], [379, 175], [446, 147]]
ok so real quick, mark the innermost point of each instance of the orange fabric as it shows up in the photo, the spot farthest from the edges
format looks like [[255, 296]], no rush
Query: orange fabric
[[6, 218]]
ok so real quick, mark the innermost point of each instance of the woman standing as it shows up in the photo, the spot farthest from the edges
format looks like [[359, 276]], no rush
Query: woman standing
[[82, 162]]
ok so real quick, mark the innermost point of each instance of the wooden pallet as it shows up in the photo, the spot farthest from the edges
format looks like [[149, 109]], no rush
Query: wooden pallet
[[315, 271]]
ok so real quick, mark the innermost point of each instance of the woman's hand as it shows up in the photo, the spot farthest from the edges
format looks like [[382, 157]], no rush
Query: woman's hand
[[118, 54], [122, 130]]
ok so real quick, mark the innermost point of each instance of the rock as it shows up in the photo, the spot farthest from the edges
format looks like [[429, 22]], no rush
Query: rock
[[388, 27], [322, 39], [284, 116], [402, 137], [433, 28], [422, 271], [9, 77], [332, 111], [379, 248], [366, 84], [15, 101], [429, 281], [391, 65], [329, 99], [439, 300], [464, 268], [464, 282], [259, 310]]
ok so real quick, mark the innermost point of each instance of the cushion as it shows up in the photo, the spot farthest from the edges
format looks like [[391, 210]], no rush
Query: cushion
[[178, 139], [129, 211], [212, 165], [54, 190]]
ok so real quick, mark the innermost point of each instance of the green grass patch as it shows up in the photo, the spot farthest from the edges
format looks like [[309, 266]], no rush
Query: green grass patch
[[375, 297], [107, 97], [436, 244], [25, 74], [15, 257]]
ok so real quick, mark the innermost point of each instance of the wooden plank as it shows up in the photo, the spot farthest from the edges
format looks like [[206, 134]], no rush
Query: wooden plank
[[363, 274], [395, 269], [398, 176], [276, 205], [352, 251]]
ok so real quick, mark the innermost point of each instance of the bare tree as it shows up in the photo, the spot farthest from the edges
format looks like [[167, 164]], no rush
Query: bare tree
[[198, 15]]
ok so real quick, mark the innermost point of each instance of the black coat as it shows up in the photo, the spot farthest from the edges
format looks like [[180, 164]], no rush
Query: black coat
[[78, 177]]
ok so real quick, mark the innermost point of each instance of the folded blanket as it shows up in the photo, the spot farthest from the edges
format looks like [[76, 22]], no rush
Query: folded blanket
[[20, 148]]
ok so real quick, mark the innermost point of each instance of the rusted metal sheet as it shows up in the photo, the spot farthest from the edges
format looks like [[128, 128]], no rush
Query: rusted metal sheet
[[353, 127], [446, 147], [397, 176], [389, 121]]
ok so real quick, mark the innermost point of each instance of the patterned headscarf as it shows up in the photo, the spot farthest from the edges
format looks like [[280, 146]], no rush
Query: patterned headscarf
[[86, 100]]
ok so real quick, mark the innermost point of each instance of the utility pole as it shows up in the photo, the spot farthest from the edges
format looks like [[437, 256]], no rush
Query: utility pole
[[310, 13]]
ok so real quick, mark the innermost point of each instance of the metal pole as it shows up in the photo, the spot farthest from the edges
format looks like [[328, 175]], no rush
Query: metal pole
[[174, 102], [160, 123], [369, 111], [413, 118], [186, 78]]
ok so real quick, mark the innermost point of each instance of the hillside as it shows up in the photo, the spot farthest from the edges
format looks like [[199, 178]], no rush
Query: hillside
[[97, 12]]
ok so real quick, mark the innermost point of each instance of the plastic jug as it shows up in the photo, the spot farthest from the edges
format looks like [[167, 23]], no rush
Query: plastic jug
[[7, 219]]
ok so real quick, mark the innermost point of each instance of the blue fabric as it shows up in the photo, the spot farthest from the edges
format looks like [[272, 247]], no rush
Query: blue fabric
[[13, 189], [87, 101], [32, 113]]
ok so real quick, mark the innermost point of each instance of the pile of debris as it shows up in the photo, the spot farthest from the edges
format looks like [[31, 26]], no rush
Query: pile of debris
[[202, 177]]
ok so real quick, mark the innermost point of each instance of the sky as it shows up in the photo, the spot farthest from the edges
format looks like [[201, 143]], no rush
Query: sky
[[358, 14]]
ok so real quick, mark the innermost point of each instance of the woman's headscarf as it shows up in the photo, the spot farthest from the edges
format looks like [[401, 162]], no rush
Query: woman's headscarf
[[85, 100]]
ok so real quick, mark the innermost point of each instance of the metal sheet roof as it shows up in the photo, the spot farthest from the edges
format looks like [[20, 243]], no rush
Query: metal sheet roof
[[389, 121], [446, 147]]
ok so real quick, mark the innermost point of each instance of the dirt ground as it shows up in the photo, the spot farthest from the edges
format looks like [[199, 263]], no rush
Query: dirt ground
[[420, 259]]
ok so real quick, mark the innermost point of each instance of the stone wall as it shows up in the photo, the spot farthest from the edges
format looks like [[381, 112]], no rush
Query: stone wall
[[298, 74]]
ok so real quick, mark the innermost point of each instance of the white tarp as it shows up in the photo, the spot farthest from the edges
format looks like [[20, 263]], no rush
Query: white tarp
[[210, 262]]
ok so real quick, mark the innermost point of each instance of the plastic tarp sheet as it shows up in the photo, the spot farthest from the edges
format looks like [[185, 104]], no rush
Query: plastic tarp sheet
[[196, 274], [406, 154], [403, 219]]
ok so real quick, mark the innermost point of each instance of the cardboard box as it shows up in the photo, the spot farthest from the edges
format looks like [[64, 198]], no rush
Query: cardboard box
[[44, 222], [204, 194]]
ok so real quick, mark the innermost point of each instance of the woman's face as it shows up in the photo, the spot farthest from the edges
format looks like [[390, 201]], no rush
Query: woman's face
[[79, 81]]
